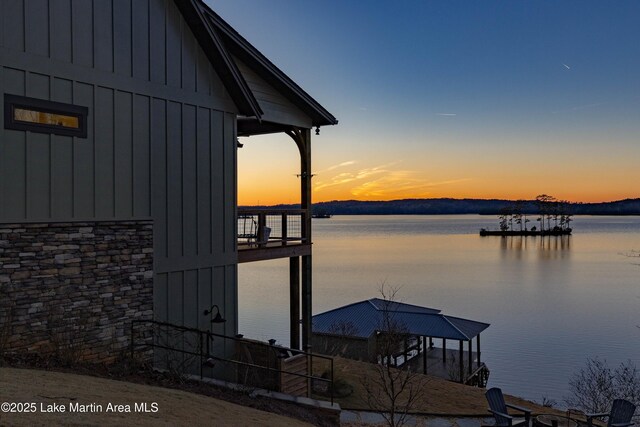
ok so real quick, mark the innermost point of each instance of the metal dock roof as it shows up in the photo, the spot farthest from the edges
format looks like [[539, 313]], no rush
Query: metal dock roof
[[366, 317]]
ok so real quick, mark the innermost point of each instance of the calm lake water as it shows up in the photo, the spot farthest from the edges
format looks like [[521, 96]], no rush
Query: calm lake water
[[552, 302]]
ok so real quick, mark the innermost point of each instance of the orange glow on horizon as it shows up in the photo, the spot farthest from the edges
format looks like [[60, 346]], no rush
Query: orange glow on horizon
[[268, 168], [268, 194]]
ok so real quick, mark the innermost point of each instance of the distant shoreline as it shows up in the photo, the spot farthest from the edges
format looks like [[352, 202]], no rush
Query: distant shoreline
[[627, 207]]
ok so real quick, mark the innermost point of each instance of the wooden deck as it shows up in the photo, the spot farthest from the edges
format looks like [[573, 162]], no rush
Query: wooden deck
[[448, 369], [272, 250], [272, 233]]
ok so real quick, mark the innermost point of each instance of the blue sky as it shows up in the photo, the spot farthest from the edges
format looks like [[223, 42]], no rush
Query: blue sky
[[463, 99]]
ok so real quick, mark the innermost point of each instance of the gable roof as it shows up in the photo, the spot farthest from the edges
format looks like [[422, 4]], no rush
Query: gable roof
[[362, 319], [221, 42], [219, 58]]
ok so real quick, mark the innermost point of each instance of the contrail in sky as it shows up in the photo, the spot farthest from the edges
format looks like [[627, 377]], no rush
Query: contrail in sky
[[446, 114], [566, 66]]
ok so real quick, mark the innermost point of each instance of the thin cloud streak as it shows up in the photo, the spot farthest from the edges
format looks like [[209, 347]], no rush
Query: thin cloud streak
[[400, 184], [382, 181], [446, 114], [346, 177], [340, 165], [566, 66]]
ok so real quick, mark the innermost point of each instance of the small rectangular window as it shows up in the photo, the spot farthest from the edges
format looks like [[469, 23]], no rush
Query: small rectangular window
[[39, 115]]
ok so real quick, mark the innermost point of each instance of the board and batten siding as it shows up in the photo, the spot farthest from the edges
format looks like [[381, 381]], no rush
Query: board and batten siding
[[275, 106], [161, 139]]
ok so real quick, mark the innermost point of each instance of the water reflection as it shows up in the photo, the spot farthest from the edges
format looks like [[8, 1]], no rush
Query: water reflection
[[552, 301], [545, 247]]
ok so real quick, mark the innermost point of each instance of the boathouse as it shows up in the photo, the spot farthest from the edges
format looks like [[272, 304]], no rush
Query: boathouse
[[357, 330], [118, 168]]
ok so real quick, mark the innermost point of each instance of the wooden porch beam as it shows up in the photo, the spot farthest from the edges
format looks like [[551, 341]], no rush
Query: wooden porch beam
[[251, 126], [274, 252]]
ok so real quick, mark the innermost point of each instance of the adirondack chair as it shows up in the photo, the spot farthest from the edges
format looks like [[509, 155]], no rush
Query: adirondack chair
[[620, 415], [498, 408]]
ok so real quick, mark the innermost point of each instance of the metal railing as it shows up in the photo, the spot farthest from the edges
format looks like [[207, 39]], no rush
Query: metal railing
[[198, 345], [479, 377], [262, 227]]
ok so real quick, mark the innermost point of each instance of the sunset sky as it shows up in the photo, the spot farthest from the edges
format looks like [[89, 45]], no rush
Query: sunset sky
[[486, 99]]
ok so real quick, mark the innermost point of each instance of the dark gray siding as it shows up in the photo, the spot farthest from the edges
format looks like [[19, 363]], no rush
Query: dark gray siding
[[275, 106], [45, 49], [161, 138]]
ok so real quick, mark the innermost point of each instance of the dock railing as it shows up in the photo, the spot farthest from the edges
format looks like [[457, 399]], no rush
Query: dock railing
[[479, 377]]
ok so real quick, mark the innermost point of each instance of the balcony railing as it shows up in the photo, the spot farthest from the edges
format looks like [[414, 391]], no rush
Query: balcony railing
[[271, 233]]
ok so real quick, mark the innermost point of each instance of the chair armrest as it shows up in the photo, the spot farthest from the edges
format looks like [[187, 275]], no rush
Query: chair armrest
[[519, 408], [621, 424], [501, 414], [598, 415]]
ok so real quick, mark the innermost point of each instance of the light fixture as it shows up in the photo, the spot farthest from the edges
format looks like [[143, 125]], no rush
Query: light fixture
[[218, 317]]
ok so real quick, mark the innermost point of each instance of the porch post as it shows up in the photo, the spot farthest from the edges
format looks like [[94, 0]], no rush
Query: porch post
[[444, 350], [305, 203], [294, 301], [302, 138], [306, 303], [478, 348], [470, 357], [461, 358], [424, 355]]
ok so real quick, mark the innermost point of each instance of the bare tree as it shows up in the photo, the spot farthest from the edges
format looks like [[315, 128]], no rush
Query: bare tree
[[504, 223], [595, 386], [632, 254], [544, 202], [392, 391], [341, 333]]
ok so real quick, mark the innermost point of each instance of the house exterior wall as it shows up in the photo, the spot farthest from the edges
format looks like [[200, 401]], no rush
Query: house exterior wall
[[70, 289], [161, 141]]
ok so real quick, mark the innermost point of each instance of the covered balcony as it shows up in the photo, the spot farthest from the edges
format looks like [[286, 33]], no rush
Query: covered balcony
[[265, 234]]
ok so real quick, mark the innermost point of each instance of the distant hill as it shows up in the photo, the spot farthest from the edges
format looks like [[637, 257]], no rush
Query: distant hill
[[460, 206]]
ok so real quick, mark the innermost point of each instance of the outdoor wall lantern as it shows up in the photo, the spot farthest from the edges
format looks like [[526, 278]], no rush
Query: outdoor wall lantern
[[218, 317]]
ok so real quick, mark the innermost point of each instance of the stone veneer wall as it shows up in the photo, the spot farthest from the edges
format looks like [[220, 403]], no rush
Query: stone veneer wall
[[72, 289]]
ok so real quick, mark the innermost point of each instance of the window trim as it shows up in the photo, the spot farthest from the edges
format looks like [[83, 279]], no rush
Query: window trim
[[12, 102]]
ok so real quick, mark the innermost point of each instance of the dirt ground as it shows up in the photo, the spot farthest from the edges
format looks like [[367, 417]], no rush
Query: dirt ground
[[193, 404], [174, 407], [439, 397]]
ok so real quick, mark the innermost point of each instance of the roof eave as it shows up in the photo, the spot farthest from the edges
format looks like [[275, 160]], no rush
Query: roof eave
[[219, 58], [273, 75]]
